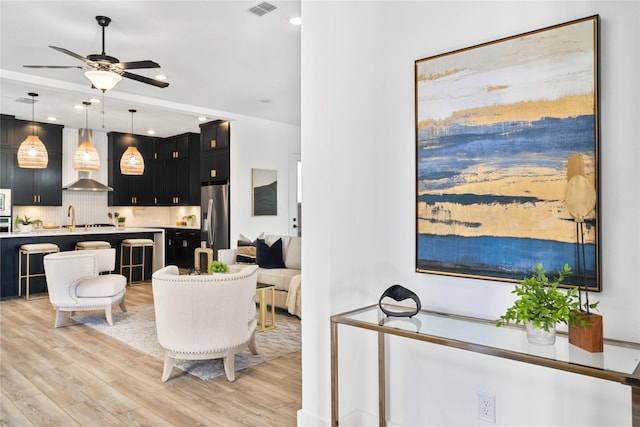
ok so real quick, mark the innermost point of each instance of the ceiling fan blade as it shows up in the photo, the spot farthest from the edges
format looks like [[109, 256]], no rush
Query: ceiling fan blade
[[144, 79], [68, 52], [52, 66], [137, 65]]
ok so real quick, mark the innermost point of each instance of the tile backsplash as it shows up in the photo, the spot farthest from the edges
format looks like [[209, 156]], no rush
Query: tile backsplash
[[91, 207]]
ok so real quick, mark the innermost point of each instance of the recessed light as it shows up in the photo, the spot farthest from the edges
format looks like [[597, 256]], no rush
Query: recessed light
[[296, 20], [202, 118], [51, 119], [265, 101], [161, 77], [151, 132]]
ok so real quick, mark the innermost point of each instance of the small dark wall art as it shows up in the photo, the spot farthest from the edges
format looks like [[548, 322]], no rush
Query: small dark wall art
[[264, 192], [496, 125]]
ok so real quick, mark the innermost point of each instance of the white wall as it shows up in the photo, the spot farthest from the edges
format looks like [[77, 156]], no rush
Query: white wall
[[260, 144], [358, 152]]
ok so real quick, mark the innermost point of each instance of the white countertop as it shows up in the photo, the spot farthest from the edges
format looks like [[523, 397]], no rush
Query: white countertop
[[80, 231], [185, 227]]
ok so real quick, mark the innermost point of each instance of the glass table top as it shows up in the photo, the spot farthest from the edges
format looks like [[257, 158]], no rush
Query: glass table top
[[508, 341]]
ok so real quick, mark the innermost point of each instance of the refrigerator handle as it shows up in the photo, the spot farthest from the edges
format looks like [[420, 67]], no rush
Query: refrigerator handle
[[210, 222]]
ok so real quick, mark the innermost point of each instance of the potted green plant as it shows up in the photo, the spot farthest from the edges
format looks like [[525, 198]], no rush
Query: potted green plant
[[189, 219], [218, 267], [541, 305], [24, 223]]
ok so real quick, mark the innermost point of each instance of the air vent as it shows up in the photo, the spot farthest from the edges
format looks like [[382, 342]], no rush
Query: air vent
[[26, 101], [262, 9]]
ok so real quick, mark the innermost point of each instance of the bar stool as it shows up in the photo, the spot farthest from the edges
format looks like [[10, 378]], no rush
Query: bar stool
[[92, 244], [28, 250], [132, 244]]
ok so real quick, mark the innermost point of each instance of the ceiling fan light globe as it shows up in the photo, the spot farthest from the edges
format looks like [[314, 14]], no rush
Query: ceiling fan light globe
[[103, 80]]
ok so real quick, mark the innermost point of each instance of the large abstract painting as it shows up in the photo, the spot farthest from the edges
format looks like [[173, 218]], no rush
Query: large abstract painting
[[496, 127]]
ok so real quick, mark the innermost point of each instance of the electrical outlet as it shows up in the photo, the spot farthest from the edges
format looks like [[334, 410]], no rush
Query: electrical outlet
[[487, 407]]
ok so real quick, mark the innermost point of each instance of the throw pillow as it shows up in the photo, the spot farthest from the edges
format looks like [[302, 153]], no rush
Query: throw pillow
[[269, 256], [246, 250], [292, 258], [246, 254]]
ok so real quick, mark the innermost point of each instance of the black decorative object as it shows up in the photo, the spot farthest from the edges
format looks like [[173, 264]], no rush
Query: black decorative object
[[399, 293]]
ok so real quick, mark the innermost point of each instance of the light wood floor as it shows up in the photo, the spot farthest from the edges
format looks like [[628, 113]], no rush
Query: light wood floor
[[76, 376]]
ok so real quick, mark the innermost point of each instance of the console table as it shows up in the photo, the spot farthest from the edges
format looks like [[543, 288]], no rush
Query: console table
[[619, 362]]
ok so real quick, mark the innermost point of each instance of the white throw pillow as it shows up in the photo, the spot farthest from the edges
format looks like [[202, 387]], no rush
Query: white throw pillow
[[293, 255]]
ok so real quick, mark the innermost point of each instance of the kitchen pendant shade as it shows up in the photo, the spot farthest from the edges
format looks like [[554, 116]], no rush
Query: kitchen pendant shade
[[86, 158], [32, 153], [131, 162], [103, 80]]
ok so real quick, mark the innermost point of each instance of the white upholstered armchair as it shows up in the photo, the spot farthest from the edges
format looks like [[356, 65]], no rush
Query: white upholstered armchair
[[201, 317], [75, 283]]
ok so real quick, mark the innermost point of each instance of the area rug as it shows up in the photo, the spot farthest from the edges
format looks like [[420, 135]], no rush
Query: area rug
[[137, 328]]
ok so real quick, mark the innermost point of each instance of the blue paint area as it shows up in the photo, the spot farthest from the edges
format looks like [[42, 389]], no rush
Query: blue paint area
[[504, 257], [474, 199], [446, 160]]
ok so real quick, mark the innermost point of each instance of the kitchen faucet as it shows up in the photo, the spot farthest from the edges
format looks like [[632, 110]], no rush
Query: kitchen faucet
[[72, 213]]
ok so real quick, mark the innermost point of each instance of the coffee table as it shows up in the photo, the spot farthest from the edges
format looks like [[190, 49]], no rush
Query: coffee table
[[262, 290]]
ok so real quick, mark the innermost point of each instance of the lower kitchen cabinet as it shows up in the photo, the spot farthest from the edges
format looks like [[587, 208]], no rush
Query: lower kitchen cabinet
[[180, 246]]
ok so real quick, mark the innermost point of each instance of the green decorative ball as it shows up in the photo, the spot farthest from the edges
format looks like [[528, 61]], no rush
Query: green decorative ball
[[218, 267]]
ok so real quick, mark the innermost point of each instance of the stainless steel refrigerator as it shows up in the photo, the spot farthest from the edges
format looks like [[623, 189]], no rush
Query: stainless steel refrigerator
[[214, 208]]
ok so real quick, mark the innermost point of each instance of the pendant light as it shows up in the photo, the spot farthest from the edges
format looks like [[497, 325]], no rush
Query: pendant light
[[132, 162], [32, 153], [86, 158]]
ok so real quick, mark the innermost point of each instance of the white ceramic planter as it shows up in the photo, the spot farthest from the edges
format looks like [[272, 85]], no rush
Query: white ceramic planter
[[540, 336], [25, 228]]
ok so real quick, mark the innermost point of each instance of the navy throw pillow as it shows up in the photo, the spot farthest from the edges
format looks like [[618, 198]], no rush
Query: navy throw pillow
[[269, 256]]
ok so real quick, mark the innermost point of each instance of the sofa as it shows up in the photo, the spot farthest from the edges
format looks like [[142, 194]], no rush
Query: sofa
[[279, 260]]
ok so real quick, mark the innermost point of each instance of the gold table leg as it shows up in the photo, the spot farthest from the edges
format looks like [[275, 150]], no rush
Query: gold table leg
[[334, 375], [263, 309], [382, 387]]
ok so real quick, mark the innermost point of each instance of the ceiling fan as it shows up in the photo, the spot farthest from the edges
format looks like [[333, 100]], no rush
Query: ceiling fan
[[105, 71]]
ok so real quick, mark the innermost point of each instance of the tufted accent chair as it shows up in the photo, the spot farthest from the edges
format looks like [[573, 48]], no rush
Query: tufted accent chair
[[75, 283], [201, 317]]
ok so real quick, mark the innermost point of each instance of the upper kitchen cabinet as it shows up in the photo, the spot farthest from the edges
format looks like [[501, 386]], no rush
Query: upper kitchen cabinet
[[214, 145], [7, 152], [31, 187], [214, 135], [181, 166], [130, 190], [170, 175]]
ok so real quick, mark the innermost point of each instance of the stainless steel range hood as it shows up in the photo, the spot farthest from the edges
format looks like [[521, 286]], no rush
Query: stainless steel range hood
[[85, 182]]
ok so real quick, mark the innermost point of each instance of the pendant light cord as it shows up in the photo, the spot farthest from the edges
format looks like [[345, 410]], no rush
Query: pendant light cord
[[102, 110], [132, 111], [33, 113]]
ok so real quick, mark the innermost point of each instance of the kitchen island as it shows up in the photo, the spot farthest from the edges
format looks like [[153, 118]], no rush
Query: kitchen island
[[66, 240]]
